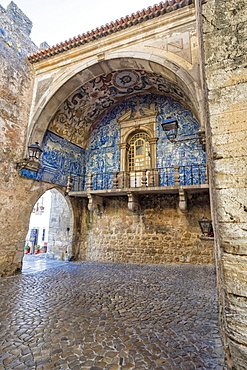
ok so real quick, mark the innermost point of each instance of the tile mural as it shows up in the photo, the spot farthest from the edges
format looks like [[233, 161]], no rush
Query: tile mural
[[101, 156], [59, 159]]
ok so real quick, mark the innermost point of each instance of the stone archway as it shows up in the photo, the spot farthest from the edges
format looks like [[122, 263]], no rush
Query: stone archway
[[60, 227], [51, 226], [179, 82], [67, 122], [169, 40]]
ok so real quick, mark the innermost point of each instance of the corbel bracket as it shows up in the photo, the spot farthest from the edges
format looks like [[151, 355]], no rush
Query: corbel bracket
[[95, 203], [28, 164], [183, 201], [133, 202]]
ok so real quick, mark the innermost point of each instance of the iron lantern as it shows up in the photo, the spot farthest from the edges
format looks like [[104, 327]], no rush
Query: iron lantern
[[34, 152], [170, 126], [205, 225]]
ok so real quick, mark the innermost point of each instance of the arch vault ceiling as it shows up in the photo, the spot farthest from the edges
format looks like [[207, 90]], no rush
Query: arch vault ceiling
[[81, 111]]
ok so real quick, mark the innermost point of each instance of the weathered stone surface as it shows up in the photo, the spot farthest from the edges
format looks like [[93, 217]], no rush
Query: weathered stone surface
[[236, 317], [159, 233], [239, 354], [17, 195], [60, 228], [224, 25], [235, 273]]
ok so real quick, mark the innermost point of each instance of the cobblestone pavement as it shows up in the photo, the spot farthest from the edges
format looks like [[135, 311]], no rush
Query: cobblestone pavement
[[111, 316]]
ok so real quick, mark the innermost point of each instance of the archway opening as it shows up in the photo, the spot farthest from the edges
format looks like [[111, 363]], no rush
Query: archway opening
[[49, 237], [98, 88]]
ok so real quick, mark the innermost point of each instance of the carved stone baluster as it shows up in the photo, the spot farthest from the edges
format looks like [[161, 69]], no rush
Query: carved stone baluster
[[153, 177], [206, 173], [115, 180], [90, 182], [123, 180], [176, 176], [69, 185], [144, 178]]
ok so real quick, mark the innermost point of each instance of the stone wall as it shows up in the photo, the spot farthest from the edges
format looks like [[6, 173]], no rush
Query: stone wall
[[224, 27], [17, 195], [60, 228], [160, 233]]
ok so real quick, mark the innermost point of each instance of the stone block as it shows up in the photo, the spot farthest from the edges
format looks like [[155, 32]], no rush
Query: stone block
[[236, 318], [235, 274], [18, 257], [227, 100], [233, 231], [232, 205], [237, 246], [238, 354]]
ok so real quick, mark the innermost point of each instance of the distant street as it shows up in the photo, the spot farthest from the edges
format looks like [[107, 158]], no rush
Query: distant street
[[36, 263]]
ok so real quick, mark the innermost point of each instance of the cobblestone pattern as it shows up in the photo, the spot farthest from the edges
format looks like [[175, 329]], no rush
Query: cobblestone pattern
[[111, 316]]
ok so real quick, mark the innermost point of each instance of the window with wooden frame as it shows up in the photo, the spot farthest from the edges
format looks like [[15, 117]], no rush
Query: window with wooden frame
[[139, 152]]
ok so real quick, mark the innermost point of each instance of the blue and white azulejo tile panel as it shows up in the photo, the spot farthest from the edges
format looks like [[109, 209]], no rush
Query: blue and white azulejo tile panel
[[62, 158]]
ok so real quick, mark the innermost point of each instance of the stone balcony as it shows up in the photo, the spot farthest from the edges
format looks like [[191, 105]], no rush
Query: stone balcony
[[170, 180]]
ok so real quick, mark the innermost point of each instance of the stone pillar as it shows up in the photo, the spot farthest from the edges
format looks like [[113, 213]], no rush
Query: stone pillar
[[183, 201], [133, 202], [152, 141], [144, 178], [123, 180], [69, 185], [60, 227], [225, 61], [17, 195], [124, 148]]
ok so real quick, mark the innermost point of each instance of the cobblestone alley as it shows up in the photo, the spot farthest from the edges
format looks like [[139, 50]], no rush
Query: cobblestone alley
[[111, 316]]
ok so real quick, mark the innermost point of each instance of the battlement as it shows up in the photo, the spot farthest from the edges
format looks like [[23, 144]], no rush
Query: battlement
[[15, 29], [14, 18]]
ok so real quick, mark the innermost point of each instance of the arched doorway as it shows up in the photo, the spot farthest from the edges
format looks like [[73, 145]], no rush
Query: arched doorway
[[50, 230], [37, 236]]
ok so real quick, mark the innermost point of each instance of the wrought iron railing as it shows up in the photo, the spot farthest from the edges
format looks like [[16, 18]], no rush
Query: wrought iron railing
[[162, 177]]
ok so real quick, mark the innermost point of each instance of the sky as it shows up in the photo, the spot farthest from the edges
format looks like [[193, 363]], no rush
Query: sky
[[55, 21]]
